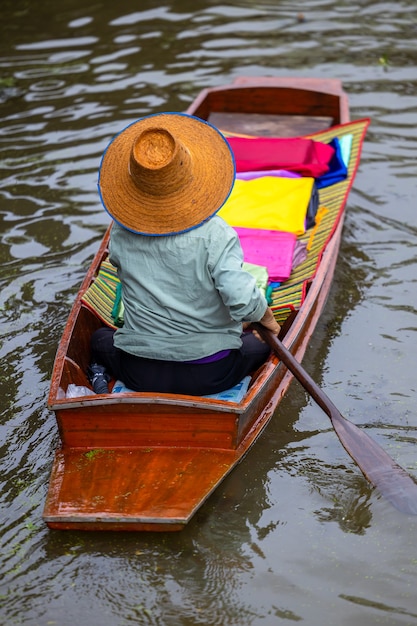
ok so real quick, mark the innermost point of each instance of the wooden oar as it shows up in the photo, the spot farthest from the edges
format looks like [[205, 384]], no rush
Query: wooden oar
[[377, 466]]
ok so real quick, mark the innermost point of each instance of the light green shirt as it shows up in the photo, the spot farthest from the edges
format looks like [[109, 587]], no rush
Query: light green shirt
[[185, 296]]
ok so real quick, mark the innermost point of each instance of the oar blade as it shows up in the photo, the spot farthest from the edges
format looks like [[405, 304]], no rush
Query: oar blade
[[394, 483]]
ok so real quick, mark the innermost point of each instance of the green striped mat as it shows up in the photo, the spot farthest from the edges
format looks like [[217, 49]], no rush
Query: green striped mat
[[103, 295], [290, 295]]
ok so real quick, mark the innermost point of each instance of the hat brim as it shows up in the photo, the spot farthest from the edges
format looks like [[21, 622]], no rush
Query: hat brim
[[213, 174]]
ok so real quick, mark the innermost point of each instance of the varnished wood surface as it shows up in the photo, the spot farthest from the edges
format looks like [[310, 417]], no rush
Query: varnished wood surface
[[140, 486], [269, 125], [301, 98], [145, 488]]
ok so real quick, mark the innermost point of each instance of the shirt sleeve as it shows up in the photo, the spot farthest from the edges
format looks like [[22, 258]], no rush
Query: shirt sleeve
[[237, 288], [114, 245]]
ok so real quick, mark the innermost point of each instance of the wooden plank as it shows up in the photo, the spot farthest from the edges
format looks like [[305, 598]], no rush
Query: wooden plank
[[322, 85], [269, 125], [147, 488], [129, 425], [270, 100], [332, 86]]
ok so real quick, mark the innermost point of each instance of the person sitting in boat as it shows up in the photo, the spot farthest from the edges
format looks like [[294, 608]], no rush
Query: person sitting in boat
[[186, 297]]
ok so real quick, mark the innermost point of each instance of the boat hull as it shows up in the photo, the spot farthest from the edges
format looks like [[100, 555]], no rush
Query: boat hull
[[146, 461]]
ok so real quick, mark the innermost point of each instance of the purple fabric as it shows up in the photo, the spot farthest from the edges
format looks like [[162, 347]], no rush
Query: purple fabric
[[211, 358], [259, 174], [300, 253]]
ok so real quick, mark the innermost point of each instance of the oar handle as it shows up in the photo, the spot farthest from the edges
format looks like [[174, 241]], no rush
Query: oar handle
[[295, 368]]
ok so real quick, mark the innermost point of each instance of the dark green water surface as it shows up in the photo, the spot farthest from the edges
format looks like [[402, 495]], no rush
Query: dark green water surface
[[295, 534]]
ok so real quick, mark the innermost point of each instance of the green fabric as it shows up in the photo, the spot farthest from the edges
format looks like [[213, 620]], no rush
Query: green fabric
[[260, 274], [118, 307]]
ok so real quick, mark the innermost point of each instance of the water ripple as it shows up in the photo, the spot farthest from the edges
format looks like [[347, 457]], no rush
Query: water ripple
[[295, 525]]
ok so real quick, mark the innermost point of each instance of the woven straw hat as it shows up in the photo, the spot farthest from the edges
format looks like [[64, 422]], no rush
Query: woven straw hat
[[165, 174]]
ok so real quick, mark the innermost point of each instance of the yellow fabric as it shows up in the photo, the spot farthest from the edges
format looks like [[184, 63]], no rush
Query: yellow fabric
[[269, 203]]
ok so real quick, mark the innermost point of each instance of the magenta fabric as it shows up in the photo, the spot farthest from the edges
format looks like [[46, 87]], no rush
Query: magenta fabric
[[305, 156], [270, 248]]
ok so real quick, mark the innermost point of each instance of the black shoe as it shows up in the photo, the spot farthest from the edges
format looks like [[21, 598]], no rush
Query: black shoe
[[98, 377]]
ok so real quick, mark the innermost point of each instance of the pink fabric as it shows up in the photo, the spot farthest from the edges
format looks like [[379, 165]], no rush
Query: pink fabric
[[270, 248], [305, 156]]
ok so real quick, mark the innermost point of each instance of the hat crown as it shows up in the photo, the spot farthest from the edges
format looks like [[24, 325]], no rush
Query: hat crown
[[165, 174], [159, 164]]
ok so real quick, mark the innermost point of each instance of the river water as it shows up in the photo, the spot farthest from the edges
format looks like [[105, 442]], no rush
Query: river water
[[295, 534]]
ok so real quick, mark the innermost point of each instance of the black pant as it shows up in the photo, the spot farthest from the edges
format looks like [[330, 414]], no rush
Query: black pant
[[141, 374]]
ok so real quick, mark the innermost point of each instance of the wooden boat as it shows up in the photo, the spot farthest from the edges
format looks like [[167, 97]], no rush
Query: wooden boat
[[147, 461]]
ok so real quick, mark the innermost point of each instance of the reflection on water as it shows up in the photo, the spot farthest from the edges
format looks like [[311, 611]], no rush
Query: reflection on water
[[295, 533]]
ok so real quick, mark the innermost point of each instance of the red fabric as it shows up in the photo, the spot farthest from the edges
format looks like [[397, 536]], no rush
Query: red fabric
[[305, 156]]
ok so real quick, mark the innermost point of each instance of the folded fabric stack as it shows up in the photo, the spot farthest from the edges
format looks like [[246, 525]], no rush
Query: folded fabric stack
[[303, 156], [268, 212], [275, 199], [325, 162], [269, 203], [271, 249]]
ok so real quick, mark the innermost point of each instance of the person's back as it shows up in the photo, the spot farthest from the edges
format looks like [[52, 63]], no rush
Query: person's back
[[185, 294]]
